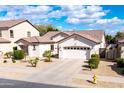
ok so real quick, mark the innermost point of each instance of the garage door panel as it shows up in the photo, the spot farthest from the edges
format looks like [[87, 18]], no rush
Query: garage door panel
[[77, 53]]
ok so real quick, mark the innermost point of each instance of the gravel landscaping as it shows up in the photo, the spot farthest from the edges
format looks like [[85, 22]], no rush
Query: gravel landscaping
[[106, 68]]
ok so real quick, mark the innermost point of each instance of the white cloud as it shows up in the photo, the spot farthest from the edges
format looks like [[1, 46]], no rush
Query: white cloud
[[73, 20], [112, 21], [38, 9]]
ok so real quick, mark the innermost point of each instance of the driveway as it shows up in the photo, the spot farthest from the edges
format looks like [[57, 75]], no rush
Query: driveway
[[57, 73]]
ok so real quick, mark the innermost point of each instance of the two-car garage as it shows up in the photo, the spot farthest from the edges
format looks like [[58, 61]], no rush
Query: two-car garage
[[76, 52]]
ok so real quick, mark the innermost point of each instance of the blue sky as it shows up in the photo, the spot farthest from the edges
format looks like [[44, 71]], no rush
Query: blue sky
[[107, 18]]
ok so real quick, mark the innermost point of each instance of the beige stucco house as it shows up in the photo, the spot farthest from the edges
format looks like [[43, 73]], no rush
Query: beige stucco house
[[120, 48], [13, 30], [66, 44]]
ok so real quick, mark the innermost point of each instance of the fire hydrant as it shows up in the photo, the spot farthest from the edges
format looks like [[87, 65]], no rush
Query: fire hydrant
[[95, 79]]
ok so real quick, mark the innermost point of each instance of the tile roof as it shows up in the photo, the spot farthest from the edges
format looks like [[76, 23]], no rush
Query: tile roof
[[9, 23], [3, 40], [36, 39], [121, 40], [93, 35]]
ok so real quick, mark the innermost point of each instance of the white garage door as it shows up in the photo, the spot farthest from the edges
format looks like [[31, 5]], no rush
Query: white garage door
[[76, 52]]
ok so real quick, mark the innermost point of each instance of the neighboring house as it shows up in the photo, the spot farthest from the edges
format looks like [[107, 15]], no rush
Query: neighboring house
[[13, 30], [66, 44], [120, 48]]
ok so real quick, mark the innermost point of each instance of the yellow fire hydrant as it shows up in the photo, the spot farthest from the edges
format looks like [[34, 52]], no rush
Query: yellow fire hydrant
[[95, 79]]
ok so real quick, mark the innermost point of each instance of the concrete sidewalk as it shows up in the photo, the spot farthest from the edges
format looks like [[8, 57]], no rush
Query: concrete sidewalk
[[100, 78]]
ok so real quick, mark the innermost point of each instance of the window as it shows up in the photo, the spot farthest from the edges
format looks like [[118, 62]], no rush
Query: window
[[74, 48], [52, 47], [0, 33], [78, 48], [34, 47], [71, 48], [28, 34], [11, 34], [88, 48]]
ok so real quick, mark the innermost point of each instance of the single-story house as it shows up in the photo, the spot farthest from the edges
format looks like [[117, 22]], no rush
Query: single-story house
[[66, 44]]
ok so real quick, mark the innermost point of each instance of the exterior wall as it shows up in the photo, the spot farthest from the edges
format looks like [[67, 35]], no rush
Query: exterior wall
[[39, 50], [122, 51], [79, 41], [103, 43], [5, 47], [33, 53], [43, 48], [55, 49], [5, 34], [57, 38], [19, 31]]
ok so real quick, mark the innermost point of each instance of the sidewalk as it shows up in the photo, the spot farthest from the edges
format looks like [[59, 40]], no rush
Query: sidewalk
[[100, 78]]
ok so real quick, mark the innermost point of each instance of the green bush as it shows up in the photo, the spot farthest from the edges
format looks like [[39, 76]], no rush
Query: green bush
[[18, 54], [95, 55], [120, 62], [34, 62], [48, 55], [94, 62]]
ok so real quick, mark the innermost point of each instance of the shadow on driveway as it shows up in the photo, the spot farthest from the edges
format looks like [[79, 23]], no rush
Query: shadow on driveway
[[8, 83]]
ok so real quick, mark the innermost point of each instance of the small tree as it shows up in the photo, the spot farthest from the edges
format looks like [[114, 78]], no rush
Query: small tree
[[48, 55]]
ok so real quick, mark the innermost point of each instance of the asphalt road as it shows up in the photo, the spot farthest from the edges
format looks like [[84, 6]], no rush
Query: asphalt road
[[7, 83]]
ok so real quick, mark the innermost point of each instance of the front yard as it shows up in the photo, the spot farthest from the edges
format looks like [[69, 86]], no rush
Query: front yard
[[68, 72], [20, 69], [107, 68], [107, 76]]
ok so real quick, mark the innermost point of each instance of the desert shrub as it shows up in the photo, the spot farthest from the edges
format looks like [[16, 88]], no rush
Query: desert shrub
[[48, 55], [8, 54], [18, 54], [5, 61], [120, 62], [94, 62], [34, 62]]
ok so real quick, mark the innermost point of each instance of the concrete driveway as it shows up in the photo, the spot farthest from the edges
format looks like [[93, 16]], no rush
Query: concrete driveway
[[57, 73]]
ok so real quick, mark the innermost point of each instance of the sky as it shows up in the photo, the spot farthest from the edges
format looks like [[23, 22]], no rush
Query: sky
[[76, 17]]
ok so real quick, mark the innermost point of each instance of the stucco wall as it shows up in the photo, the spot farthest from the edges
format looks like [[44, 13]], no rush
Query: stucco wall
[[32, 52], [122, 51], [103, 43], [5, 47], [40, 49]]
